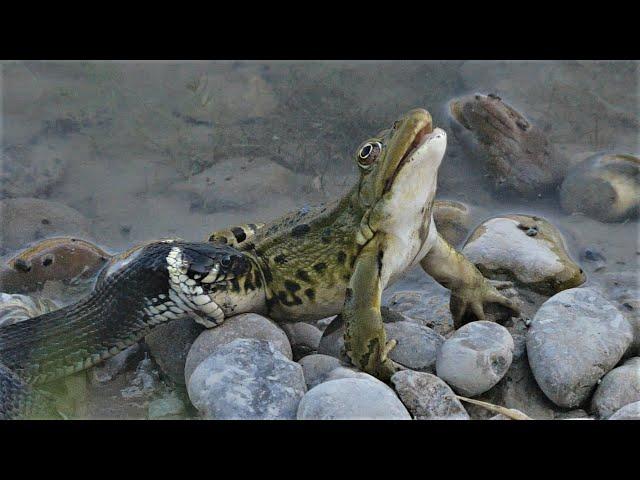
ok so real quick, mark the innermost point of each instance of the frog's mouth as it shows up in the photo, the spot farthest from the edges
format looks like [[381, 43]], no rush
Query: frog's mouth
[[421, 138]]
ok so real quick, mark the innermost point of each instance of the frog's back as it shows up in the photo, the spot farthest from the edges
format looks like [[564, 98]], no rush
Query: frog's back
[[307, 257]]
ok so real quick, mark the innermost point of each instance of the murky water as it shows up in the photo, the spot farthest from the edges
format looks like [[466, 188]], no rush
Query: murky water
[[144, 150]]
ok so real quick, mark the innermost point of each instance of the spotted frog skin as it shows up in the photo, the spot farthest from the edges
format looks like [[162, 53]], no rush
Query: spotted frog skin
[[338, 258]]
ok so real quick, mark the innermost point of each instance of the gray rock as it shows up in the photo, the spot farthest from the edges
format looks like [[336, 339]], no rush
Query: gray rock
[[247, 379], [427, 397], [316, 368], [246, 325], [428, 308], [332, 341], [352, 399], [170, 344], [168, 407], [618, 388], [475, 358], [144, 384], [303, 337], [112, 367], [347, 372], [417, 345], [575, 338], [628, 412]]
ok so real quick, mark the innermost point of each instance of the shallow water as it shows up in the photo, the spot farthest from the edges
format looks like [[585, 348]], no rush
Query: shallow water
[[146, 150]]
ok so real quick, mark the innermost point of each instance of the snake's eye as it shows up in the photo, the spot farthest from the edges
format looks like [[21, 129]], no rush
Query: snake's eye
[[368, 154], [225, 261]]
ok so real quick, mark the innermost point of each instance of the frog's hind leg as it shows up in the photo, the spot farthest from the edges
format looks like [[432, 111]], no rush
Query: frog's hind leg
[[365, 338], [238, 237]]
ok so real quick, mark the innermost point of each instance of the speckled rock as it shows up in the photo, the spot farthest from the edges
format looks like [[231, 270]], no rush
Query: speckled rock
[[452, 220], [352, 399], [604, 187], [475, 358], [427, 397], [247, 379], [169, 407], [417, 345], [303, 337], [628, 412], [245, 325], [623, 290], [24, 220], [316, 367], [575, 338], [525, 249], [618, 388], [170, 344], [430, 308]]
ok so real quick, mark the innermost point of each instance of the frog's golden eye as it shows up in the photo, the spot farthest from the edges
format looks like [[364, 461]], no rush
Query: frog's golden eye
[[368, 154]]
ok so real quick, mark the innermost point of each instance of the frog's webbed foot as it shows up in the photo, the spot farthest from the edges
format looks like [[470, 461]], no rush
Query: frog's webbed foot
[[468, 302]]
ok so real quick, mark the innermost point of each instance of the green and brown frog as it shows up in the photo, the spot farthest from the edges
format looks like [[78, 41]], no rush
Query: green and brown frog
[[310, 264]]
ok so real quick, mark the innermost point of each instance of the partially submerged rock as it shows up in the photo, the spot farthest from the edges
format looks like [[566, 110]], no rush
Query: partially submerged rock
[[67, 259], [475, 357], [24, 220], [519, 156], [575, 338], [604, 187], [247, 379], [525, 249]]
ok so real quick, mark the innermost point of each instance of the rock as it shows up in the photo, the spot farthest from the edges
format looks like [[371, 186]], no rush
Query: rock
[[525, 249], [575, 338], [622, 289], [303, 337], [170, 344], [16, 308], [110, 368], [29, 171], [452, 220], [430, 308], [352, 399], [24, 220], [323, 323], [216, 188], [21, 88], [348, 372], [67, 259], [618, 388], [316, 368], [517, 154], [603, 187], [628, 412], [245, 325], [332, 341], [475, 358], [247, 379], [427, 397], [168, 407], [577, 414], [417, 345], [144, 384]]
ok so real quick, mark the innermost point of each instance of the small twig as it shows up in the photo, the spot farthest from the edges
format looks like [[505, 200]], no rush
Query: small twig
[[507, 412]]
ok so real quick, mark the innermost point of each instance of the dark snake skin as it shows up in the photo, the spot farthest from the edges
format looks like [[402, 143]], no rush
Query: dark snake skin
[[79, 336]]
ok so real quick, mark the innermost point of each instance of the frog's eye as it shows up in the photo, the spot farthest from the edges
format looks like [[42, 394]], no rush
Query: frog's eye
[[368, 154]]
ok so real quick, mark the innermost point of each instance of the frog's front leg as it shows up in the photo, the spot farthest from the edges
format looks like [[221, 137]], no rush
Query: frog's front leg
[[469, 289], [365, 338]]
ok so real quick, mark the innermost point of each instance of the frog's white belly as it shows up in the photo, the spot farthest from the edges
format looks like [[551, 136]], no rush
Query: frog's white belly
[[404, 252]]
